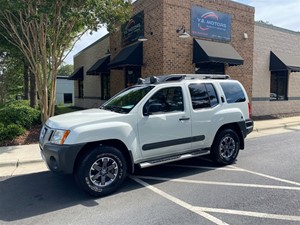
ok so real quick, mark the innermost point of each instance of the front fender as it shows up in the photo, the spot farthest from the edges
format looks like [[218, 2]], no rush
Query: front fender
[[105, 131]]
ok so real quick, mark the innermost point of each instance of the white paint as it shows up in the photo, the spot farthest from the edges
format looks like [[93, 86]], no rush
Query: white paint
[[179, 202], [202, 211], [248, 213], [267, 176], [220, 183]]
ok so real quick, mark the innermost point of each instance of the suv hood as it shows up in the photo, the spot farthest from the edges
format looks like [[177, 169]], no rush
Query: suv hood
[[84, 117]]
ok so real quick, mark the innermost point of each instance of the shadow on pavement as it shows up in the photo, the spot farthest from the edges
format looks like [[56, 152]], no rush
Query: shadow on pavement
[[39, 193]]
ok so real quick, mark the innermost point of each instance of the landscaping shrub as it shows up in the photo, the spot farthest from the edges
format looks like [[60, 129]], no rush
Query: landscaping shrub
[[10, 132], [19, 113]]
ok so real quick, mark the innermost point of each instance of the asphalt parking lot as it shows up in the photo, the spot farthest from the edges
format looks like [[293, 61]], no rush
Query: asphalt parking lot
[[262, 187], [227, 194]]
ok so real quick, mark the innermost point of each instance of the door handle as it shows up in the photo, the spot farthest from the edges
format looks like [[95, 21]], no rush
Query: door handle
[[183, 118]]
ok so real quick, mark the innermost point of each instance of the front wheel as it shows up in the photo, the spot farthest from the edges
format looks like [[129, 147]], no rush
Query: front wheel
[[225, 147], [101, 171]]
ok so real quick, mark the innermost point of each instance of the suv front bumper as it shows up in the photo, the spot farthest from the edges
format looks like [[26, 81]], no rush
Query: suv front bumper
[[60, 158]]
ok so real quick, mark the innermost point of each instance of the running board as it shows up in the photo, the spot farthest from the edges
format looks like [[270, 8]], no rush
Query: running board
[[173, 158]]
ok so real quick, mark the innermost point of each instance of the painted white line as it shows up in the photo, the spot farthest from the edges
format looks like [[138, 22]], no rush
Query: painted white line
[[248, 213], [205, 167], [220, 183], [179, 202], [267, 176]]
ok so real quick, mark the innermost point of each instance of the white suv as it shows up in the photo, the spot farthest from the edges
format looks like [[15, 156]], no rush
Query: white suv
[[161, 119]]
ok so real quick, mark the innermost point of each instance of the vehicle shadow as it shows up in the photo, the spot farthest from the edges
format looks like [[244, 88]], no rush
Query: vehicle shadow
[[34, 194]]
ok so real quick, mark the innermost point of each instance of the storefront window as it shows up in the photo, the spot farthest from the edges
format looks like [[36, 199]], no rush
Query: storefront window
[[132, 74], [210, 68], [279, 85], [105, 86]]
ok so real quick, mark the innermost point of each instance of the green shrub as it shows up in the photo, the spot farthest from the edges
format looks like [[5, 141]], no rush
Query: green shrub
[[10, 132], [20, 113]]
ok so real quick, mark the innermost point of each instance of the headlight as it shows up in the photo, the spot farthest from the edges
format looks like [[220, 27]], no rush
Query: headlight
[[59, 136]]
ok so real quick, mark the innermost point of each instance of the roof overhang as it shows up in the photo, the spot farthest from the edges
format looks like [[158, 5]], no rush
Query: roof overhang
[[77, 74], [208, 51], [128, 56], [283, 61], [101, 66]]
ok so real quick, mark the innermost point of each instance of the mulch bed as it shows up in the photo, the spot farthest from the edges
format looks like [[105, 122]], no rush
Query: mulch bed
[[31, 136]]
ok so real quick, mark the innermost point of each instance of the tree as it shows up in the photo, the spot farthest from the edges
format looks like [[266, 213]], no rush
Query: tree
[[43, 30], [11, 79], [65, 70]]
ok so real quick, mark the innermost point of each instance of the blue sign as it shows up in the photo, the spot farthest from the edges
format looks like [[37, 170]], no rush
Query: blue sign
[[210, 24]]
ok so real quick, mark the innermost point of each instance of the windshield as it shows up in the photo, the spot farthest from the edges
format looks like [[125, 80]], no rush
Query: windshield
[[127, 99]]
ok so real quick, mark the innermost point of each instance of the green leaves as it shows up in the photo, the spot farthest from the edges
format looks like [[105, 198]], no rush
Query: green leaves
[[44, 30]]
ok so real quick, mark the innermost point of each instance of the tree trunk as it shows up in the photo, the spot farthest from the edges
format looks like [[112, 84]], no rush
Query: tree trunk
[[33, 91], [26, 81]]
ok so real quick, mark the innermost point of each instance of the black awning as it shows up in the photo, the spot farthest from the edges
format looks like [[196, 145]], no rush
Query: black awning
[[283, 61], [129, 56], [208, 51], [77, 74], [101, 66]]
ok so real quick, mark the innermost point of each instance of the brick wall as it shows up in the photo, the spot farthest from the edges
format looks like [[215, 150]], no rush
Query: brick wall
[[270, 38], [165, 52]]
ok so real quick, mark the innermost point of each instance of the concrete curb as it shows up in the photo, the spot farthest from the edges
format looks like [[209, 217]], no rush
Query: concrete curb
[[276, 127]]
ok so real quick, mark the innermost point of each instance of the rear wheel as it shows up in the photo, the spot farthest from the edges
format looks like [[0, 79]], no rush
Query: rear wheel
[[101, 171], [225, 147]]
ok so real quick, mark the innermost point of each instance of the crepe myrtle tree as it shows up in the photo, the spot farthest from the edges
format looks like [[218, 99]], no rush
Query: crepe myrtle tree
[[45, 31]]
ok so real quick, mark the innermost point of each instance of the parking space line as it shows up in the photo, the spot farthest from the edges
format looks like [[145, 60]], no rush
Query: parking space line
[[220, 183], [179, 202], [267, 176], [206, 167], [251, 214]]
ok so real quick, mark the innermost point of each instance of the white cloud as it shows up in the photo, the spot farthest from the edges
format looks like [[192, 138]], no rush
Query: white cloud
[[285, 14]]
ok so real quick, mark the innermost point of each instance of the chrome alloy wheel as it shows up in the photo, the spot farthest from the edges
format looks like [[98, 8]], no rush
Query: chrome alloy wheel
[[103, 171], [227, 147]]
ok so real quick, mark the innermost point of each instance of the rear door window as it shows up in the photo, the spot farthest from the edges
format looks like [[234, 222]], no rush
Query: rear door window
[[203, 96], [233, 92]]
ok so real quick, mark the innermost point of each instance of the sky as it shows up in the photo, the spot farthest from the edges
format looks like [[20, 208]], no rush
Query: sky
[[280, 13]]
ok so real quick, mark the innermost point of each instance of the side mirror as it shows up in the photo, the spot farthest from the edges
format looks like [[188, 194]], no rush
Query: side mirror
[[152, 108]]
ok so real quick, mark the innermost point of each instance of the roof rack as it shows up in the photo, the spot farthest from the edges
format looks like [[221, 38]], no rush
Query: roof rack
[[180, 77]]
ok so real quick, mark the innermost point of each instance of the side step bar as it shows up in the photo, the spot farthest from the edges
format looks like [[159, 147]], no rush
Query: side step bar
[[174, 158]]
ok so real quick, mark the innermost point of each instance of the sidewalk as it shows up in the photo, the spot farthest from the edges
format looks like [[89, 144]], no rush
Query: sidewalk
[[25, 159]]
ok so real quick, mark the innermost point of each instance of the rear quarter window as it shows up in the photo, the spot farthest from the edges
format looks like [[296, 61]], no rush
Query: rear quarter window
[[233, 92]]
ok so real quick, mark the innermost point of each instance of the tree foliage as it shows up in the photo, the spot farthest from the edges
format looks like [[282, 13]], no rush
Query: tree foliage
[[43, 30], [65, 70]]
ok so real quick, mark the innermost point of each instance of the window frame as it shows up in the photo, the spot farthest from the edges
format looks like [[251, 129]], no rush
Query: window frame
[[278, 77]]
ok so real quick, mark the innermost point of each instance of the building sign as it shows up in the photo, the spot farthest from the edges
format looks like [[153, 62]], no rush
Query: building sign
[[210, 24], [133, 29]]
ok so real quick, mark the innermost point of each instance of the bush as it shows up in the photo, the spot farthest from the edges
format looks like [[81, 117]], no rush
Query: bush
[[19, 113], [10, 132]]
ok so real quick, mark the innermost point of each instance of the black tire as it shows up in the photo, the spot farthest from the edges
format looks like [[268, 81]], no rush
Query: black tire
[[101, 171], [225, 147]]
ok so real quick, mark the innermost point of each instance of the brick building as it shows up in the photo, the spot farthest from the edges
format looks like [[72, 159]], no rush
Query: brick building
[[276, 77], [222, 37]]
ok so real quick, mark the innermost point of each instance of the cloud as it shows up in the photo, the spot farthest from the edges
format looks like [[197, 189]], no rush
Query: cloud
[[285, 14]]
